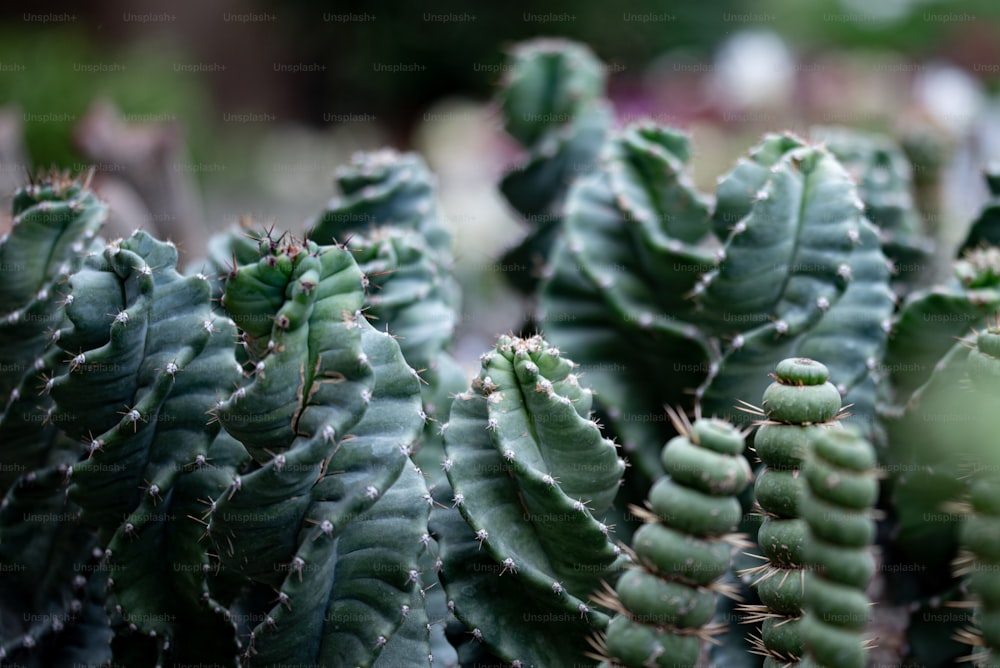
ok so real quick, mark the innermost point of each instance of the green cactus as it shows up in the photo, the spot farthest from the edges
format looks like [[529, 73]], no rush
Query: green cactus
[[665, 601], [394, 227], [147, 357], [331, 514], [531, 475], [48, 610], [842, 488], [621, 272], [797, 407], [552, 98], [628, 266], [885, 184], [768, 308], [930, 320]]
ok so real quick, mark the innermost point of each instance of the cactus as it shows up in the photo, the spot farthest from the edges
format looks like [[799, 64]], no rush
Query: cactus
[[45, 553], [797, 406], [328, 415], [885, 184], [842, 488], [147, 356], [621, 271], [629, 265], [531, 475], [389, 218], [665, 601], [553, 105]]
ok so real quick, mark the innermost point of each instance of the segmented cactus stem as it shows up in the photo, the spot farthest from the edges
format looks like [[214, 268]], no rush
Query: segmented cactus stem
[[841, 490], [666, 600], [796, 407]]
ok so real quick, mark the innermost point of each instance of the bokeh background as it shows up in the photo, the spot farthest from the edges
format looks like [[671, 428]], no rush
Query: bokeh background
[[195, 113]]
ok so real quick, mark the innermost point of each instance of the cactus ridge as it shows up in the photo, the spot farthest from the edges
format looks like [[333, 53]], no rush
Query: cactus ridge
[[389, 218]]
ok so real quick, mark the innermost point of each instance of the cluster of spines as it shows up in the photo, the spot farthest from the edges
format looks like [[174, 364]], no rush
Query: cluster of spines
[[842, 489], [795, 405], [666, 600]]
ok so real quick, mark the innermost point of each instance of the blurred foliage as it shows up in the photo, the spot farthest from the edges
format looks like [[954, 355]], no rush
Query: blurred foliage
[[46, 73], [467, 54]]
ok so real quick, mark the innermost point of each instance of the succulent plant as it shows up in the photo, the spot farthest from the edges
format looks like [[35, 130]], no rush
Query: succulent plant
[[276, 459], [665, 601], [552, 99], [797, 407], [531, 476], [842, 489]]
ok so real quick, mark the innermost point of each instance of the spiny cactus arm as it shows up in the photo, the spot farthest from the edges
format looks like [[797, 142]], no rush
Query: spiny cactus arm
[[841, 491], [798, 405], [548, 82], [885, 185], [383, 188], [139, 398], [552, 102], [620, 274], [985, 230], [665, 602], [785, 265], [929, 321], [333, 514], [527, 415], [54, 225]]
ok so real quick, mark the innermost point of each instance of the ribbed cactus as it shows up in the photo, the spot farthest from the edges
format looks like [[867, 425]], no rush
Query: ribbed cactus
[[388, 216], [797, 405], [620, 273], [552, 98], [666, 600], [55, 222], [46, 556], [800, 273], [332, 512], [147, 357], [885, 185], [841, 491], [532, 477], [771, 304]]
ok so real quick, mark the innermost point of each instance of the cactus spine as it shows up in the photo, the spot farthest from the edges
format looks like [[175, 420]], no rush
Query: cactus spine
[[799, 402], [667, 598]]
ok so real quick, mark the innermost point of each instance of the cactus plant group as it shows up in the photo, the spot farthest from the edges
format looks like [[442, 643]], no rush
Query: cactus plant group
[[274, 457]]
